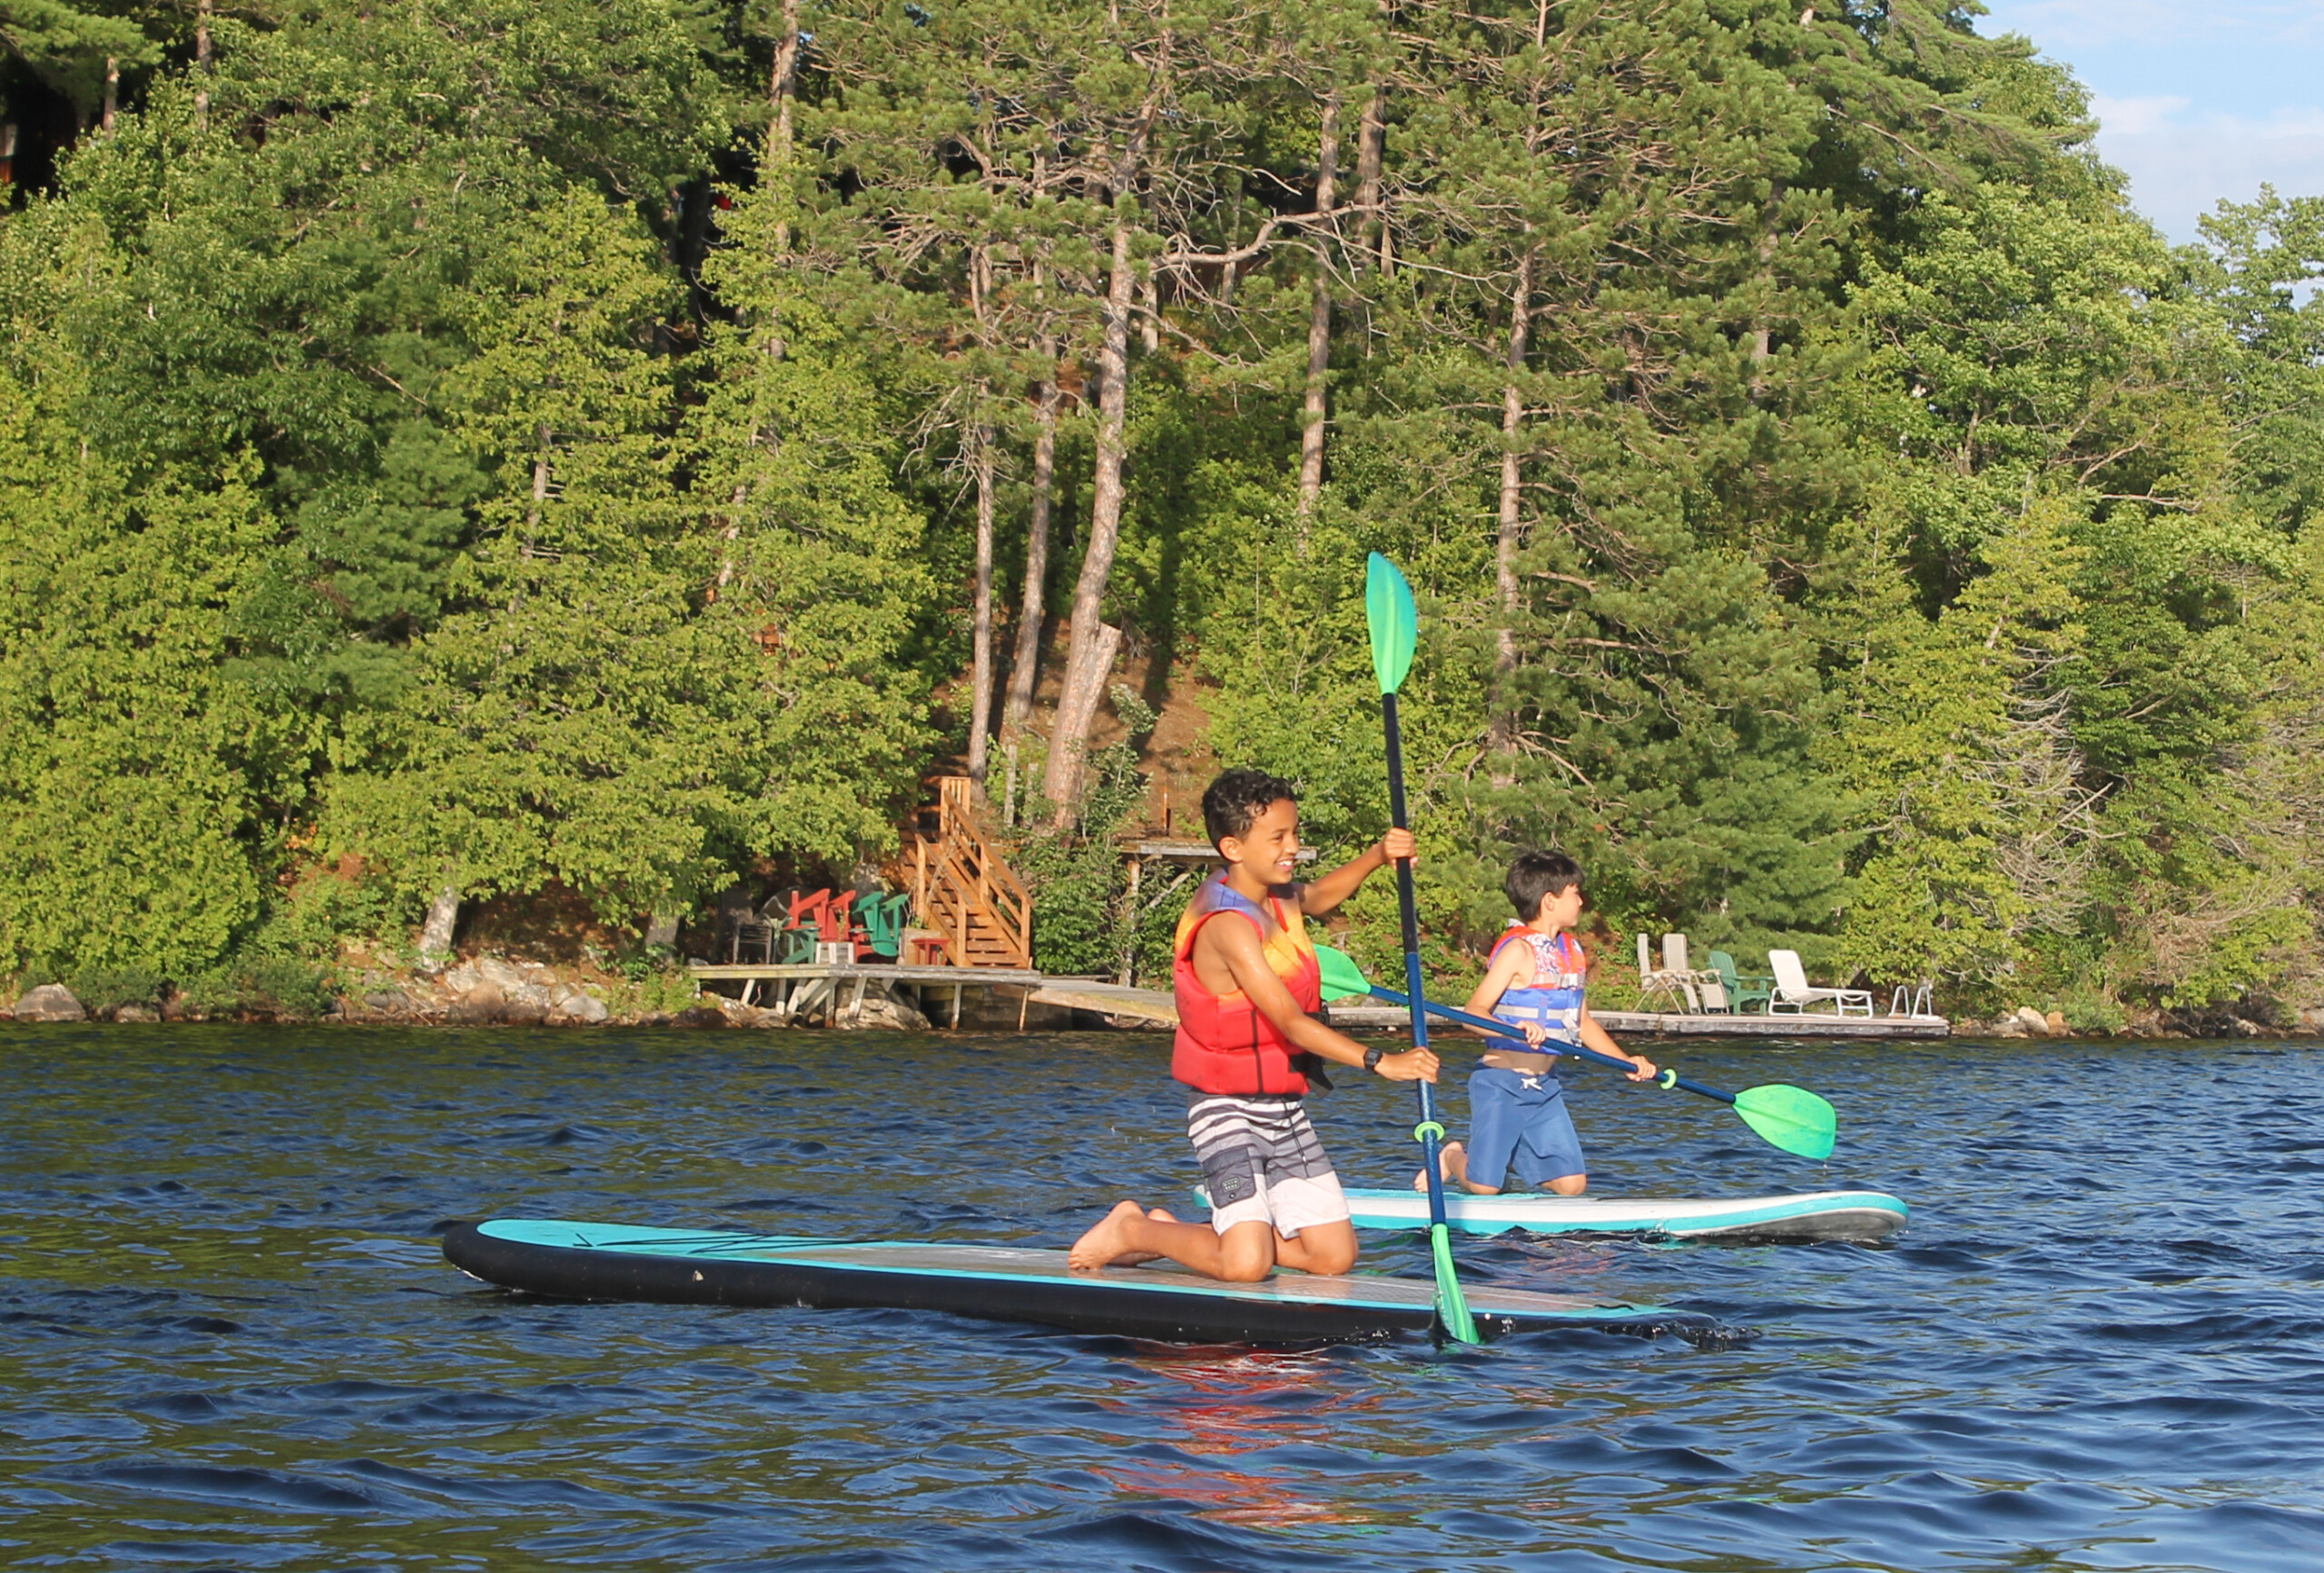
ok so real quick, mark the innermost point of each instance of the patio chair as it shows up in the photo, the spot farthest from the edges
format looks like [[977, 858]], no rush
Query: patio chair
[[1742, 992], [797, 915], [1793, 994], [744, 928], [1689, 983], [881, 925], [1913, 999], [1653, 981]]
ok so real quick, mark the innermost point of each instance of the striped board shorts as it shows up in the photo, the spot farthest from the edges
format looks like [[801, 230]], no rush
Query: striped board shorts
[[1261, 1162]]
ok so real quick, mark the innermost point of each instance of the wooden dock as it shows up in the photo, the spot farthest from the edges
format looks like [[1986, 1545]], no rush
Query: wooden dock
[[834, 994], [1147, 1007], [1648, 1024], [808, 992]]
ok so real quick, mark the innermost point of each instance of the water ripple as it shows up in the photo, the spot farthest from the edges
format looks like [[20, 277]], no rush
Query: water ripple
[[229, 1340]]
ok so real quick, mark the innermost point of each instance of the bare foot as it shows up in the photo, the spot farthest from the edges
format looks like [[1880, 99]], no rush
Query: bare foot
[[1109, 1240], [1452, 1164], [1132, 1258]]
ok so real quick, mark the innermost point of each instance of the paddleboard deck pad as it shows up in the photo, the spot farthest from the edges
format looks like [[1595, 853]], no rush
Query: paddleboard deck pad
[[1815, 1215], [580, 1261]]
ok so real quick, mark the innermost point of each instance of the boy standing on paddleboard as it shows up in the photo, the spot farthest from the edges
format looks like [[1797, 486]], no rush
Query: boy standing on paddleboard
[[1248, 1044], [1518, 1126]]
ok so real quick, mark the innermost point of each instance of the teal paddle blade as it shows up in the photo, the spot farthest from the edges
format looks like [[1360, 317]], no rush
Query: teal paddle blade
[[1395, 622], [1790, 1117], [1451, 1305], [1342, 979]]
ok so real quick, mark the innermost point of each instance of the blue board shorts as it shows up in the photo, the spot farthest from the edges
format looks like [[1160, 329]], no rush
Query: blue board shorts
[[1519, 1131]]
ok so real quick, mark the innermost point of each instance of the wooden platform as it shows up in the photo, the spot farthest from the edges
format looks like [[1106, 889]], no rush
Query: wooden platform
[[834, 994], [1132, 1007], [1151, 1007], [964, 977], [1644, 1024]]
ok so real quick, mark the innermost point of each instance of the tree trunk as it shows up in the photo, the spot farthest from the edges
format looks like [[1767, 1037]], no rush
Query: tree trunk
[[1077, 710], [1090, 645], [1502, 735], [1024, 671], [1319, 322], [540, 487], [1762, 335], [980, 612], [113, 92], [782, 88], [201, 12], [443, 914], [1371, 144], [979, 438]]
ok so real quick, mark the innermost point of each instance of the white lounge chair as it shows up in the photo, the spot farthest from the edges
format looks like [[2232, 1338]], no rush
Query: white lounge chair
[[1793, 994]]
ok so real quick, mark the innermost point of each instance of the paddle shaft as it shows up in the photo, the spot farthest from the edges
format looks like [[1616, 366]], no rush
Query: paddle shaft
[[1501, 1029], [1408, 912]]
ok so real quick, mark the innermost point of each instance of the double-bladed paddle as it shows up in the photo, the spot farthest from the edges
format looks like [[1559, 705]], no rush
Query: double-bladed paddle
[[1394, 625], [1789, 1118]]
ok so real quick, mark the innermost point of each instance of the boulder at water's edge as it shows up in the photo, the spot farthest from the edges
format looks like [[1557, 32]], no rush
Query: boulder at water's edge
[[49, 1002]]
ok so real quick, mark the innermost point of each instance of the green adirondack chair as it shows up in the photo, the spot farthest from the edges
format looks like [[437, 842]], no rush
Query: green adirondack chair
[[882, 923], [1741, 991]]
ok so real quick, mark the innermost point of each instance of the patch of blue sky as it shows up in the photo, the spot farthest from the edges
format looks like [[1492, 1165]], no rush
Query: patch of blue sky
[[2197, 100]]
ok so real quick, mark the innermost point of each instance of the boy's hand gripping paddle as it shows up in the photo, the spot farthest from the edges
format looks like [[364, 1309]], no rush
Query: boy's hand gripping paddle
[[1789, 1118], [1396, 628]]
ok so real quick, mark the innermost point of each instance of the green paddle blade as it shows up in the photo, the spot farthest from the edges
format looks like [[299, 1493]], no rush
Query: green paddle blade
[[1395, 622], [1342, 979], [1789, 1118], [1451, 1305]]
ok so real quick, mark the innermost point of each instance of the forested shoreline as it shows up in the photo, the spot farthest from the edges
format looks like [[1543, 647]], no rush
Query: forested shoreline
[[600, 452]]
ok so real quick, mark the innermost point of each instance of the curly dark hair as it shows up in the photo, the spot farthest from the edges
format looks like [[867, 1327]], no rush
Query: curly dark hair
[[1537, 874], [1231, 804]]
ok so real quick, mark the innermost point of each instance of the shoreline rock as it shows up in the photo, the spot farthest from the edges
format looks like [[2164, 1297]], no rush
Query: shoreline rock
[[49, 1002]]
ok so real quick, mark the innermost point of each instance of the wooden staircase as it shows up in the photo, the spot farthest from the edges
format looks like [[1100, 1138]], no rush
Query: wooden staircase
[[962, 890]]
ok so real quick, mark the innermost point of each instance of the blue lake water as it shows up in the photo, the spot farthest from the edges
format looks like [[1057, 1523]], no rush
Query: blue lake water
[[228, 1339]]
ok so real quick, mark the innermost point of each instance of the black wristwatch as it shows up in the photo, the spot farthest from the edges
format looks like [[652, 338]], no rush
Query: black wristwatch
[[1372, 1057]]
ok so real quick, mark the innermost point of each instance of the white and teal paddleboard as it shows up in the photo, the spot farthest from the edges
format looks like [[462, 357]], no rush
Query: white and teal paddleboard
[[1814, 1216]]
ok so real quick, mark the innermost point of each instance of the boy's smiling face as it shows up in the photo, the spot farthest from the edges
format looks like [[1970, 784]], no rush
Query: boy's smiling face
[[1268, 851]]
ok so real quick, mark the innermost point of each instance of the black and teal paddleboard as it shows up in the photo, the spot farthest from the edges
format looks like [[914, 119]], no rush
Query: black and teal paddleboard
[[1003, 1284]]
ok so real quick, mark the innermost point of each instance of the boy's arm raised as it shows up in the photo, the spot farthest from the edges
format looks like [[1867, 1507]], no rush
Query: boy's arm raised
[[1237, 946], [1320, 895]]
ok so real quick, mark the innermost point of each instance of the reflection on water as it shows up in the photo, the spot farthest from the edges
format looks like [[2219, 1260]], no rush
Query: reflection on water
[[228, 1340], [1236, 1404]]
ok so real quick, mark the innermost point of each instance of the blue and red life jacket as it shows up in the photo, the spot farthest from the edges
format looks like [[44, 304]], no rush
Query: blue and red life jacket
[[1553, 999], [1224, 1044]]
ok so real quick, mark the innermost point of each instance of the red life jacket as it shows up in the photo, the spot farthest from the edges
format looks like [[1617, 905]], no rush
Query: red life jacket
[[1223, 1044]]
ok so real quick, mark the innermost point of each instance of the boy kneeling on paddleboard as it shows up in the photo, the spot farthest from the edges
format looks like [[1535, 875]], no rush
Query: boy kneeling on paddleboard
[[1518, 1126], [1247, 1047]]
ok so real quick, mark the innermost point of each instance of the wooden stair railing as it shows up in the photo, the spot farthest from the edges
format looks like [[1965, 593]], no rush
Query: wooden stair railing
[[963, 890]]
